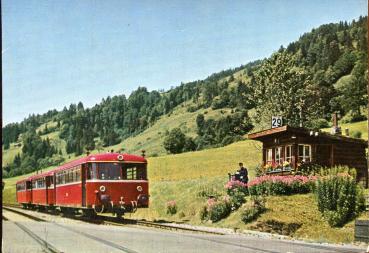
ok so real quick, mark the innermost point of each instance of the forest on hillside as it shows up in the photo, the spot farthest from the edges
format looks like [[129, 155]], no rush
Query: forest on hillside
[[324, 71]]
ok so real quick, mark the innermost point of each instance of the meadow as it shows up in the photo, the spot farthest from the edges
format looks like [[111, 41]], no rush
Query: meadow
[[185, 178]]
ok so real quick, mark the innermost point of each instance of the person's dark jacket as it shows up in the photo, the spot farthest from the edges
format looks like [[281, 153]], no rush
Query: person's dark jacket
[[244, 173]]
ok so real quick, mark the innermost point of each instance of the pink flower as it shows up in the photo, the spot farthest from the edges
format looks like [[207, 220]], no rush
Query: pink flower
[[288, 180], [234, 184], [211, 202], [171, 203]]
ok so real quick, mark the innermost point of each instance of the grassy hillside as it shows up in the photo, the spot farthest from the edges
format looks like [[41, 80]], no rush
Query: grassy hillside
[[151, 139], [361, 126], [15, 148]]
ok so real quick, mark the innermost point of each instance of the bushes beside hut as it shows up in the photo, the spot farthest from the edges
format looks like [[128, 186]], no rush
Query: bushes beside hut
[[281, 185]]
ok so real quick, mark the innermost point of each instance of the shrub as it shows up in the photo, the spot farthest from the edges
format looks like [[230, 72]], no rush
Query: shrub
[[219, 210], [204, 213], [339, 198], [237, 192], [252, 213], [171, 207], [281, 185], [208, 192], [319, 123], [356, 134], [259, 171], [216, 210], [308, 168], [174, 141]]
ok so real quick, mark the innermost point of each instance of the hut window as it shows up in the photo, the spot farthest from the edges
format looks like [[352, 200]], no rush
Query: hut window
[[304, 153], [278, 155], [269, 155], [288, 153]]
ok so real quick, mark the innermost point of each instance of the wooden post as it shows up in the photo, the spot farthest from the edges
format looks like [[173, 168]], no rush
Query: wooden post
[[295, 152], [264, 156]]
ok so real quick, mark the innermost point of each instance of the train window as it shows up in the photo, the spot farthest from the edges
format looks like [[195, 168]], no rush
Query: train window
[[63, 177], [67, 176], [40, 183], [21, 187], [72, 176], [28, 185], [109, 171], [51, 182], [92, 171], [75, 174], [134, 171], [33, 184], [78, 174]]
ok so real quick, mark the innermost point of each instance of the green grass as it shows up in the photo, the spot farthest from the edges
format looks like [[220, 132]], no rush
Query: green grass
[[301, 209], [9, 154], [151, 140], [208, 163], [361, 126]]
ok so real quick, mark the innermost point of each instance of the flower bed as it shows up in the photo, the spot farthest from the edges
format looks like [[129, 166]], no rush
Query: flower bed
[[237, 192], [281, 185]]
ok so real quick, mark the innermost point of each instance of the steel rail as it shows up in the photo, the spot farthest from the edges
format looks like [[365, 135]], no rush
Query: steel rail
[[51, 248], [46, 246], [109, 221]]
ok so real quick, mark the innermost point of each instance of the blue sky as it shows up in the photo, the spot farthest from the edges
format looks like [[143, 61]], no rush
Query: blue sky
[[60, 52]]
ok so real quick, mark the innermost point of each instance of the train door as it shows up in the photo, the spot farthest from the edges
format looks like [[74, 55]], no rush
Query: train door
[[47, 181], [50, 190], [83, 179], [29, 191]]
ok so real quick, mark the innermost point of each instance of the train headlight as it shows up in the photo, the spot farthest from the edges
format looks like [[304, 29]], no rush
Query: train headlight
[[139, 188], [120, 157], [102, 188]]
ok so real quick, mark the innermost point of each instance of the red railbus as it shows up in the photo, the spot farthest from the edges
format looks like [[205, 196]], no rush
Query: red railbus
[[110, 182], [24, 192]]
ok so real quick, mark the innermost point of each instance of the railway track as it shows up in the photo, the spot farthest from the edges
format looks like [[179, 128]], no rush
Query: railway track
[[46, 246], [103, 220], [217, 240]]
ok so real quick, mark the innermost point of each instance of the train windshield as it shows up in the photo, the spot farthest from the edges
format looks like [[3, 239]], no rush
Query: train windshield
[[117, 171]]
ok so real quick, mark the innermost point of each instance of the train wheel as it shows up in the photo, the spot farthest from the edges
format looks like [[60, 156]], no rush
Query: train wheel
[[89, 213], [119, 215], [52, 209], [99, 209], [66, 211]]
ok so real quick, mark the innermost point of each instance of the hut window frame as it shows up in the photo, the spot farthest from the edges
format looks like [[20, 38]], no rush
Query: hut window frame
[[269, 156], [303, 149], [278, 159], [288, 153]]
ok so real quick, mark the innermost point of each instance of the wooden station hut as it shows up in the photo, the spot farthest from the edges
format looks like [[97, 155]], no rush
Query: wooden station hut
[[299, 145]]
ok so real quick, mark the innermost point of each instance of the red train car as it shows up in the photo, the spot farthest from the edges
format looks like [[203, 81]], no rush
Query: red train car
[[43, 191], [24, 192], [110, 182]]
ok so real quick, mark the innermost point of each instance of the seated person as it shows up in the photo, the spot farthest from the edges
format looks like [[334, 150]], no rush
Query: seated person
[[244, 175]]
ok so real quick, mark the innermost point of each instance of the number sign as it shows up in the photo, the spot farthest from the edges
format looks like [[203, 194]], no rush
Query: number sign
[[277, 121]]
